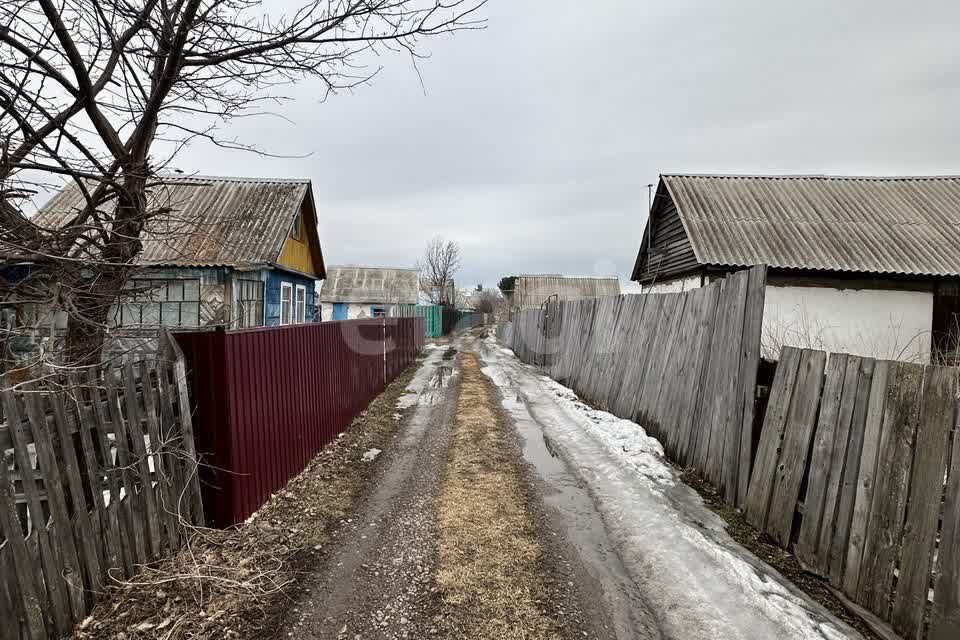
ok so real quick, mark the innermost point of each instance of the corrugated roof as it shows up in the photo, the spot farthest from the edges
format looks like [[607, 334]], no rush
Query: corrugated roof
[[532, 290], [215, 221], [883, 225], [370, 284]]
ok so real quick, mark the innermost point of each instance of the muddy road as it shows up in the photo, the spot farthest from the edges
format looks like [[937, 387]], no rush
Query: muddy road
[[506, 509]]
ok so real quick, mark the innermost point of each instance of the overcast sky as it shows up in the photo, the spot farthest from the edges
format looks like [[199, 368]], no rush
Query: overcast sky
[[531, 143]]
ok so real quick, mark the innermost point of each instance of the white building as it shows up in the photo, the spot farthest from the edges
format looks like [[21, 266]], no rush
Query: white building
[[351, 292], [860, 265]]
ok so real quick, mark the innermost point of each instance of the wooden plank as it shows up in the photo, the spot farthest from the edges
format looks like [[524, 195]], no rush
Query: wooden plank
[[59, 602], [71, 573], [188, 442], [926, 490], [699, 359], [729, 419], [848, 406], [131, 505], [885, 528], [796, 446], [147, 492], [33, 599], [821, 461], [749, 366], [118, 520], [774, 423], [86, 541], [12, 622], [866, 476], [108, 528], [161, 462], [846, 499], [945, 613], [882, 630], [707, 399]]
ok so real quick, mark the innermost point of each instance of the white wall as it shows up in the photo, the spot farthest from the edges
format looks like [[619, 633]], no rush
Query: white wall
[[354, 310], [878, 323], [673, 286]]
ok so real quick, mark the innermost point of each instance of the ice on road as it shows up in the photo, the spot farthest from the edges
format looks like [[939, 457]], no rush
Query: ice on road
[[696, 581]]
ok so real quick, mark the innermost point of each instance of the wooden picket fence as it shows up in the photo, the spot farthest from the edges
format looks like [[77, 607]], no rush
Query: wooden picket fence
[[97, 477], [683, 365], [858, 470]]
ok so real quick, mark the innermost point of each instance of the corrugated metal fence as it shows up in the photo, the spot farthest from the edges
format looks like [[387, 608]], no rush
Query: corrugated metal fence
[[267, 400]]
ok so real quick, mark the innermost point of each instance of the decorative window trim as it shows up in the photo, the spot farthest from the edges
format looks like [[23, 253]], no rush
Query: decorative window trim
[[300, 304], [286, 287]]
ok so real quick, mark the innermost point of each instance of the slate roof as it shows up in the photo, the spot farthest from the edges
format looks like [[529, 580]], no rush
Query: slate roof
[[347, 283], [215, 221], [880, 225], [532, 290]]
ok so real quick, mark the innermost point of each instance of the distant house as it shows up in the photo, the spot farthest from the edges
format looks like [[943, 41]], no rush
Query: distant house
[[531, 291], [351, 292], [236, 252], [862, 265]]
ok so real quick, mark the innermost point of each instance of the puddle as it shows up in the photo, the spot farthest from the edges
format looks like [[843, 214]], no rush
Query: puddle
[[441, 377], [585, 529]]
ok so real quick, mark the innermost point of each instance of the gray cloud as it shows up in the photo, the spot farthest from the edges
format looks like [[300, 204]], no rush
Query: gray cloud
[[533, 140]]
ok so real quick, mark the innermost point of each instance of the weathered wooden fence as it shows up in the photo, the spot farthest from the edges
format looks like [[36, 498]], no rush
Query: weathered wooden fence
[[683, 365], [98, 476], [858, 469], [268, 399]]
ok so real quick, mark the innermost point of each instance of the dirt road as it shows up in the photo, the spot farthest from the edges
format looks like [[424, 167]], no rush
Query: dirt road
[[507, 509]]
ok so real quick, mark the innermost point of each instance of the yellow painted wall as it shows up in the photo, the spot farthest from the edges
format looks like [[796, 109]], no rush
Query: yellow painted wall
[[296, 253]]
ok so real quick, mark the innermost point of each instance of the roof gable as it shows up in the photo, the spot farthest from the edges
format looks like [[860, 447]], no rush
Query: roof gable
[[880, 225], [213, 221]]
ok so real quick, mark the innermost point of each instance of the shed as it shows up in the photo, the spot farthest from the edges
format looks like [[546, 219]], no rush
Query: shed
[[351, 291], [862, 265]]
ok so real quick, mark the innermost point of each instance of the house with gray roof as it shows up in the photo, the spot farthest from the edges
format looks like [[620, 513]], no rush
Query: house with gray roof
[[235, 252], [350, 292], [862, 265]]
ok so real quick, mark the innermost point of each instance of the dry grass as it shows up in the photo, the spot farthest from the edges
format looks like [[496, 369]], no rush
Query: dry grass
[[489, 574], [237, 583]]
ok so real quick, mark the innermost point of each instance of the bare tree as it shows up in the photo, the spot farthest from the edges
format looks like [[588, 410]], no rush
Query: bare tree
[[487, 300], [440, 263], [106, 92]]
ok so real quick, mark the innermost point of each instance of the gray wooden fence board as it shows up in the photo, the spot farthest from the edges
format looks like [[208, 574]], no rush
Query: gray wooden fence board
[[926, 490], [32, 597], [821, 460], [885, 528], [749, 363], [945, 612], [774, 423], [851, 470], [796, 444], [729, 419]]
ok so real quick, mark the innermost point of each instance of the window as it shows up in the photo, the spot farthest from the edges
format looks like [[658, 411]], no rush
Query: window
[[378, 312], [300, 310], [295, 232], [286, 303], [156, 302], [249, 303]]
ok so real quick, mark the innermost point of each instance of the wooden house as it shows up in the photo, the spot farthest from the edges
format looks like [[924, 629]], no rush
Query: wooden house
[[234, 252], [862, 265]]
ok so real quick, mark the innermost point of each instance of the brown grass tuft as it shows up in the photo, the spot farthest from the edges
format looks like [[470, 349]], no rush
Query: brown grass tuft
[[489, 574]]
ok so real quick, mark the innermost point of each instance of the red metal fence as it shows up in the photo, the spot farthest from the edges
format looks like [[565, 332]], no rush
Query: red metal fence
[[267, 400]]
